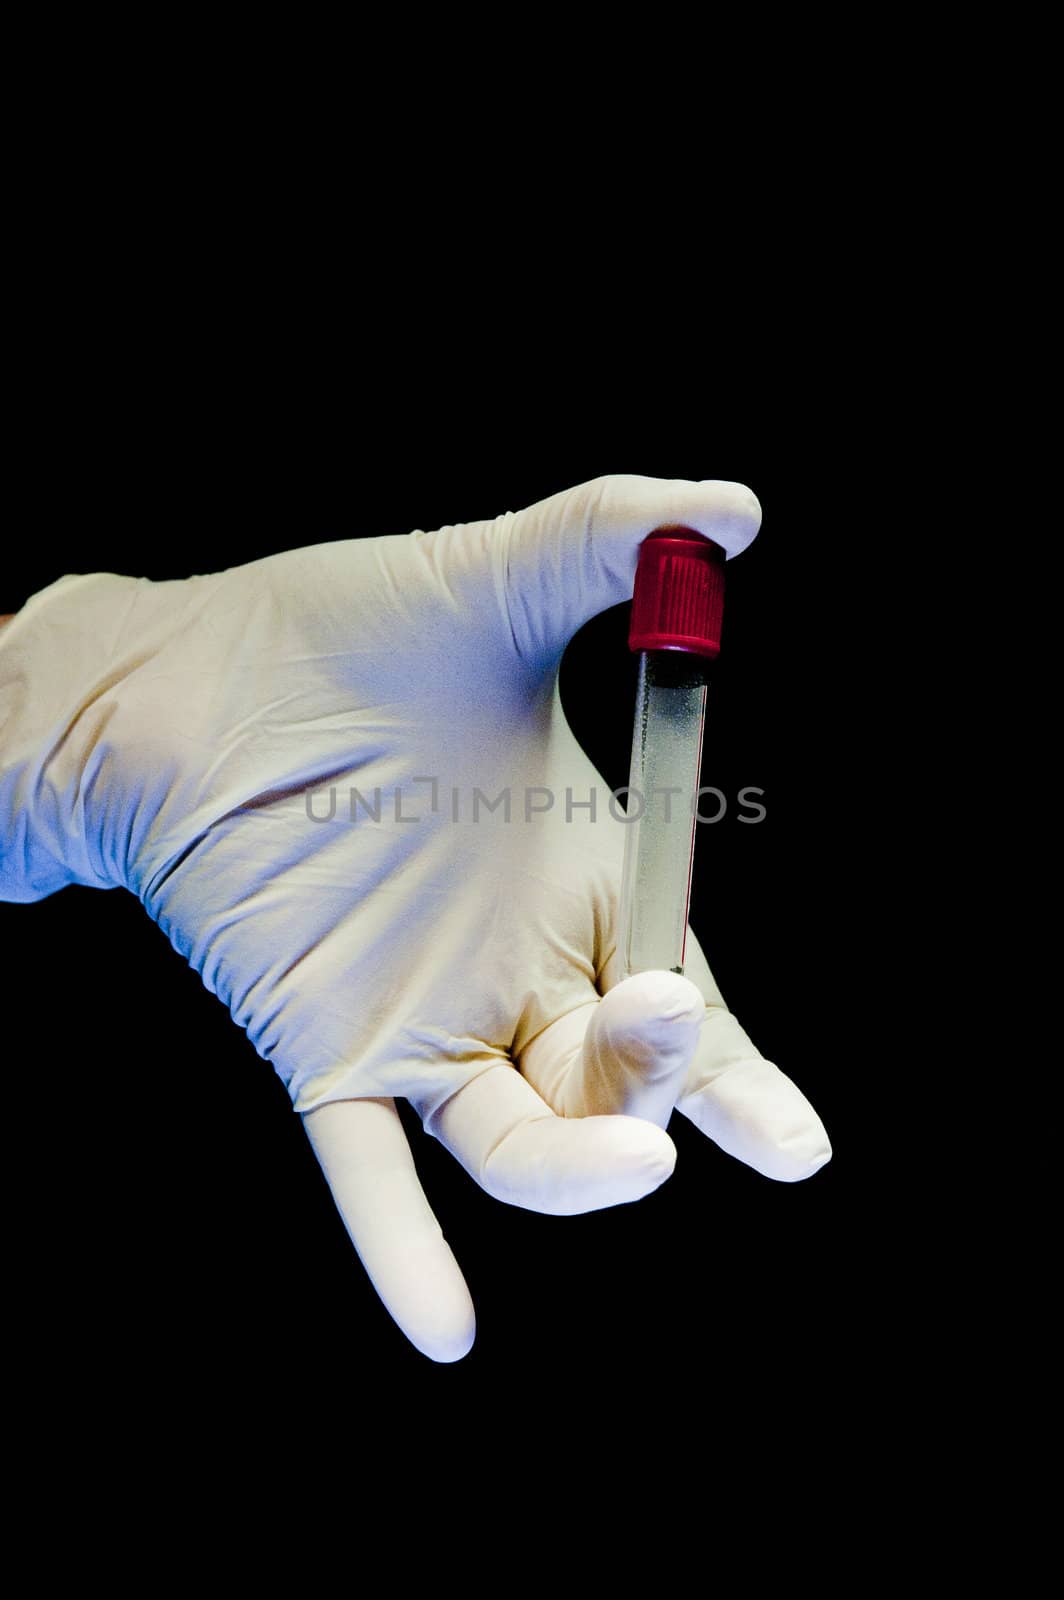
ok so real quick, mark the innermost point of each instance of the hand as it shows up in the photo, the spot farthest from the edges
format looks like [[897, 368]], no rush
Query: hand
[[293, 763]]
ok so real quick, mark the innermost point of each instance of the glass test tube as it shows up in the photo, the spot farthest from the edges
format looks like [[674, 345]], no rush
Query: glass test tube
[[676, 615], [662, 794]]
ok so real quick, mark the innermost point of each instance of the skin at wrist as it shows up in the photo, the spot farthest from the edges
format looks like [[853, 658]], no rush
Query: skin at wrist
[[6, 618]]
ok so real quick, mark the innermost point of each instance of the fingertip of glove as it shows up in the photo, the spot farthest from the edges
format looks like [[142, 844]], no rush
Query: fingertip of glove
[[740, 514], [802, 1159], [793, 1157], [445, 1346], [651, 1017], [646, 995], [649, 1149]]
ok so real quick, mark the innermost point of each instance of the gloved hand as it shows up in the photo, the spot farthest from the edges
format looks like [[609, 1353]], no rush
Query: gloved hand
[[293, 765]]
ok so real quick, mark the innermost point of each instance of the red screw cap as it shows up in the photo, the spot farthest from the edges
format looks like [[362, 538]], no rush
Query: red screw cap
[[678, 602]]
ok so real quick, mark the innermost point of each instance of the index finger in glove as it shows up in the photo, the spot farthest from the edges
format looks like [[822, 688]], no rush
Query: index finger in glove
[[574, 554]]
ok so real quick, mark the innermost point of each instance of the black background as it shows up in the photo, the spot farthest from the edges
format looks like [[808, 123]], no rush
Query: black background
[[179, 1248]]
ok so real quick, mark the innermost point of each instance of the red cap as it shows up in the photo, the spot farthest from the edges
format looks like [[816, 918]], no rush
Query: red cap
[[679, 593]]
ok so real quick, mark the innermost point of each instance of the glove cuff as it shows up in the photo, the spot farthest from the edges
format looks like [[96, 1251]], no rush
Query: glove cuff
[[55, 663]]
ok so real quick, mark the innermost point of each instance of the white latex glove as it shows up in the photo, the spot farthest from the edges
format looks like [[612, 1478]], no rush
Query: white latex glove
[[174, 739]]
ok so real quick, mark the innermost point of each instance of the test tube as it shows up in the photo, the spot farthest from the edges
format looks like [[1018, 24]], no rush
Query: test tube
[[676, 617]]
